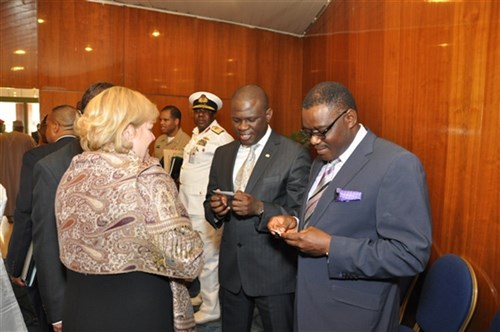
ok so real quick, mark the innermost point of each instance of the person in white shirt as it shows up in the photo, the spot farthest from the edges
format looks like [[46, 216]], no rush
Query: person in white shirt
[[198, 154]]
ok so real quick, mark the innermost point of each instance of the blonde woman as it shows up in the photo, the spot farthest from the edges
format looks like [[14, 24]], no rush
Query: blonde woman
[[124, 237]]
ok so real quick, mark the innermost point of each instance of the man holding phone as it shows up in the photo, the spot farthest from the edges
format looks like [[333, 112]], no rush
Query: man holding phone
[[266, 172]]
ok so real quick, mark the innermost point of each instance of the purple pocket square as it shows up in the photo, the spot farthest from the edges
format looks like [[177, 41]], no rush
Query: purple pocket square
[[342, 195]]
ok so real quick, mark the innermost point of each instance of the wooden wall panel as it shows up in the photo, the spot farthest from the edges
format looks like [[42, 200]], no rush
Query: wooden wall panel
[[279, 72], [18, 31], [472, 208], [189, 55], [221, 62], [70, 27], [222, 52], [326, 51], [50, 99], [426, 75], [162, 64]]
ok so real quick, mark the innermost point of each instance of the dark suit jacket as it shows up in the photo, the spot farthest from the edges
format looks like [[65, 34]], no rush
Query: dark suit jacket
[[51, 273], [250, 257], [375, 240], [22, 232]]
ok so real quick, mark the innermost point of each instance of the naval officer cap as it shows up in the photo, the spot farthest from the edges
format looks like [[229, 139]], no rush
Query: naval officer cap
[[205, 100]]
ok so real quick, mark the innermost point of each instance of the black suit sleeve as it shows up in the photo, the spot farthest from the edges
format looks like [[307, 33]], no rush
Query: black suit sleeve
[[20, 239], [51, 273], [295, 189], [212, 185]]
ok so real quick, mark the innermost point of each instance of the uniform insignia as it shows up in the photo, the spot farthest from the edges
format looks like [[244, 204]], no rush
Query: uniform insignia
[[218, 130], [203, 99], [202, 141]]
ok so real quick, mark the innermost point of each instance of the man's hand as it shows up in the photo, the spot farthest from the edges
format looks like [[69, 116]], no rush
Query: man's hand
[[57, 327], [18, 281], [245, 204], [219, 204], [311, 241], [279, 225]]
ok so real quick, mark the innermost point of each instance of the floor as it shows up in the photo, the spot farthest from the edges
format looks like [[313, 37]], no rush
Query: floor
[[209, 327], [216, 326]]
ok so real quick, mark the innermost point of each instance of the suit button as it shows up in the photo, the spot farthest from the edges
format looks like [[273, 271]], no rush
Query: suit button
[[240, 245]]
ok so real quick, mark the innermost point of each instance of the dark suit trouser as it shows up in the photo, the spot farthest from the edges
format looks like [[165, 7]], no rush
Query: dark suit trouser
[[36, 301], [276, 311]]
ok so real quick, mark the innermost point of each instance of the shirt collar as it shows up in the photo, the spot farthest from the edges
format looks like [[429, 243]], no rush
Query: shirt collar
[[262, 142], [64, 136], [354, 144], [197, 132]]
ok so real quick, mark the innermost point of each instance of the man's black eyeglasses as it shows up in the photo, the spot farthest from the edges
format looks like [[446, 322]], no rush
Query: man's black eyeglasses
[[321, 134]]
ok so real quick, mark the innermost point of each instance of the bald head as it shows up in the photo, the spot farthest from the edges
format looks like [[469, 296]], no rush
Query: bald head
[[64, 114], [252, 93], [60, 122]]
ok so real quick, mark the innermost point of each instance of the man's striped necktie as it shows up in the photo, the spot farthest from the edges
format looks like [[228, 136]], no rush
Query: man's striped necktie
[[320, 188]]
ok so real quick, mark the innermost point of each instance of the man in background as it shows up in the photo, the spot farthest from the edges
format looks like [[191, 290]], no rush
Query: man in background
[[59, 133], [13, 145], [173, 137], [51, 274], [207, 136], [266, 172]]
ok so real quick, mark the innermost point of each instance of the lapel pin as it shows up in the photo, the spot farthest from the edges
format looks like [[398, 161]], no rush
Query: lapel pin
[[268, 155]]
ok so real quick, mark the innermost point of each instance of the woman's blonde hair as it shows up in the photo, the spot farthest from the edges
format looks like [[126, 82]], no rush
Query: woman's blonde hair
[[107, 116]]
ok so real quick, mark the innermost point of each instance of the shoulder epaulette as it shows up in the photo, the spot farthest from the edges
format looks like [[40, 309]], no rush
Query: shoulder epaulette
[[218, 130]]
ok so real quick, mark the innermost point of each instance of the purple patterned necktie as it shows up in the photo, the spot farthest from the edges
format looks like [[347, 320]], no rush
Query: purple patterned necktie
[[320, 188]]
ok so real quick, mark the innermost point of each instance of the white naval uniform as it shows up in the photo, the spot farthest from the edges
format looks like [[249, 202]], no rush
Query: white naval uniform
[[198, 155]]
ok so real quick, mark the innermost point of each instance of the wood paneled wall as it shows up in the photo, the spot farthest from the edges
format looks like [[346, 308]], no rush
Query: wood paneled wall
[[427, 76], [18, 30], [189, 55]]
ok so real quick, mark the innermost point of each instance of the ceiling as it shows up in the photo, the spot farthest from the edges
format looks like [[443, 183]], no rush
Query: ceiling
[[292, 17]]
